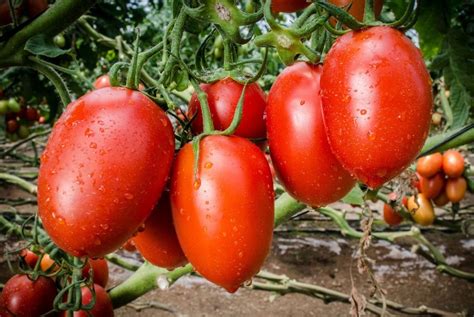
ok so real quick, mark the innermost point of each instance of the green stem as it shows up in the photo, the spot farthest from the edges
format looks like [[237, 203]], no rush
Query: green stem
[[208, 125], [145, 279], [285, 208], [369, 15], [25, 185], [448, 112], [53, 76], [19, 143], [443, 142]]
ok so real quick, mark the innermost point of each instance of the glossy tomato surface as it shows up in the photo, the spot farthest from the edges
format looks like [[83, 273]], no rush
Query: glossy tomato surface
[[297, 138], [103, 305], [433, 186], [390, 216], [100, 271], [29, 257], [158, 243], [377, 103], [429, 165], [224, 217], [453, 163], [104, 81], [103, 170], [23, 297], [222, 97], [456, 189], [289, 5], [421, 210]]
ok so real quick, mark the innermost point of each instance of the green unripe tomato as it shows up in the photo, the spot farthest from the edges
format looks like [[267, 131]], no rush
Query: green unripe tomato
[[3, 107], [23, 131], [59, 41], [218, 53], [219, 42], [13, 105]]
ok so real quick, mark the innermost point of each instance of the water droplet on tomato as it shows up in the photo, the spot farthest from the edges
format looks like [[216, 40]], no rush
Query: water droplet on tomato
[[363, 112], [128, 196], [371, 135], [208, 165], [93, 145], [97, 241], [89, 132], [197, 184], [302, 102]]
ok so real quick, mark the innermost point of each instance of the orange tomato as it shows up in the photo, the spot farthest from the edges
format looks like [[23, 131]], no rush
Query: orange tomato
[[421, 210], [453, 163], [433, 186], [390, 216], [456, 189], [442, 199], [428, 166]]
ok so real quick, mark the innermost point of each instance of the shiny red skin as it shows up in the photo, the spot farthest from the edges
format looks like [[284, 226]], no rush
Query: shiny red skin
[[300, 152], [222, 97], [25, 298], [390, 216], [103, 305], [36, 7], [158, 243], [289, 5], [224, 218], [29, 257], [100, 271], [433, 186], [102, 82], [103, 170], [377, 103]]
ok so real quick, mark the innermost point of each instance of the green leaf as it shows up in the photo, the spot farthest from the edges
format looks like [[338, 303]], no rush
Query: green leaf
[[44, 46], [355, 196], [431, 27], [458, 76]]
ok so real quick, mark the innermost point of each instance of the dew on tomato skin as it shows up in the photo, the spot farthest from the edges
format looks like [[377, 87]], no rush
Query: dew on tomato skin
[[197, 184], [128, 196], [208, 165]]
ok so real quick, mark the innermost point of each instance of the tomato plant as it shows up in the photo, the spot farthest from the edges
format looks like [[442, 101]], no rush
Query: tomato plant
[[103, 305], [421, 209], [158, 243], [456, 189], [356, 8], [433, 186], [298, 143], [100, 271], [390, 216], [364, 75], [453, 163], [85, 174], [222, 97], [428, 166], [24, 297], [223, 215]]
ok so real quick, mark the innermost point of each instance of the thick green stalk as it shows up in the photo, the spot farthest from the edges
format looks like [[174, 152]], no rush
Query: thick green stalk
[[443, 142]]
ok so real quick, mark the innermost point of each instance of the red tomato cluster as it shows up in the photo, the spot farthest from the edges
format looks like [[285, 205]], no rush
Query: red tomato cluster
[[440, 177], [18, 118]]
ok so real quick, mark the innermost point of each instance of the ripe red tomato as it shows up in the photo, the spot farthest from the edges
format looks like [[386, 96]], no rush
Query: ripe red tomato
[[453, 163], [158, 243], [12, 126], [104, 81], [31, 114], [224, 217], [456, 189], [129, 246], [421, 209], [390, 216], [103, 170], [222, 97], [356, 8], [100, 271], [103, 304], [36, 7], [428, 166], [442, 199], [289, 5], [298, 143], [377, 103], [23, 297], [29, 257], [433, 186]]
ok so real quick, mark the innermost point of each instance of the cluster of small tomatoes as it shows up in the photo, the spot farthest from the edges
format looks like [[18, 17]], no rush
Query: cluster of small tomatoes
[[23, 296], [439, 180], [18, 118]]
